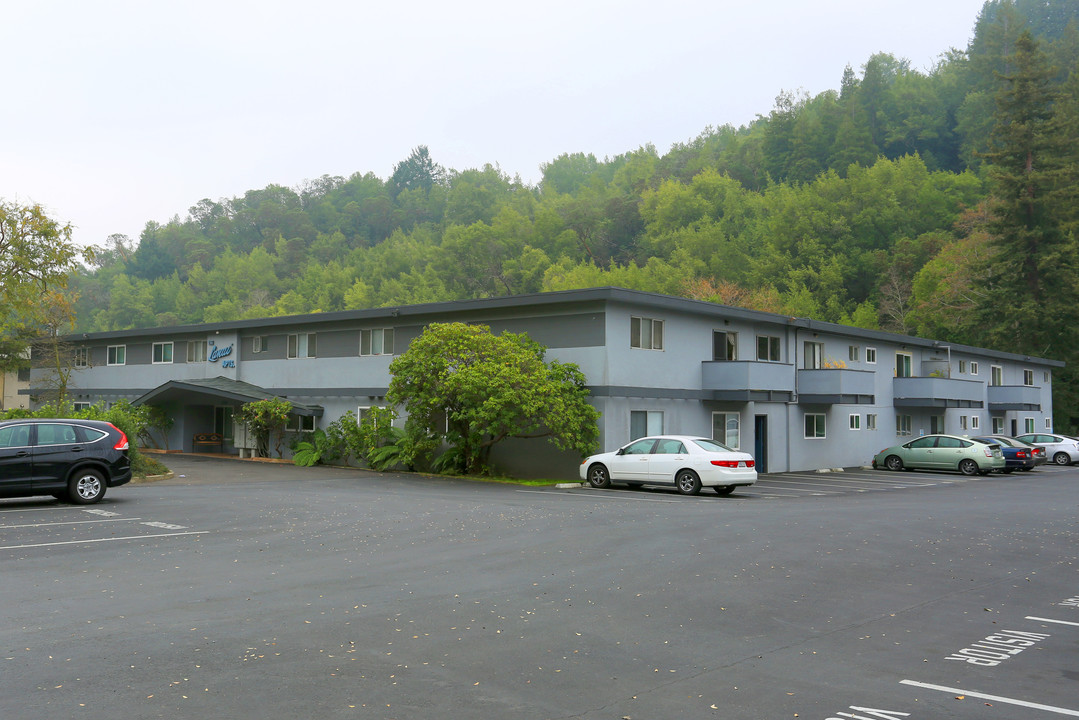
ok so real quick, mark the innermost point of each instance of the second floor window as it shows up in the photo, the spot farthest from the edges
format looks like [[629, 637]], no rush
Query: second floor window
[[162, 353], [767, 348], [117, 355], [814, 356], [82, 357], [376, 342], [301, 345], [1028, 377], [645, 333], [903, 366], [996, 375], [724, 346], [196, 351]]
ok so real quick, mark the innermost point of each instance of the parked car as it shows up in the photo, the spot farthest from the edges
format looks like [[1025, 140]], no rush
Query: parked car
[[684, 462], [1018, 455], [943, 452], [1040, 457], [74, 460], [1060, 449]]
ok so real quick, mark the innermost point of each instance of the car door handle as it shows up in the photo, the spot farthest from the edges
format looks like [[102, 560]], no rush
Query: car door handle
[[77, 448]]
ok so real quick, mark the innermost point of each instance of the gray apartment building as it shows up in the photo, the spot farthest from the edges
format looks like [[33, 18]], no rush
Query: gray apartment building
[[798, 394]]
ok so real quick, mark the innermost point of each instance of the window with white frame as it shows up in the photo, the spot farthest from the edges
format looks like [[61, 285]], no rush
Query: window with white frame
[[162, 353], [903, 364], [81, 406], [301, 345], [870, 421], [1028, 425], [997, 424], [645, 333], [300, 423], [962, 367], [726, 429], [196, 351], [117, 355], [258, 344], [962, 422], [1028, 377], [854, 353], [855, 421], [376, 342], [813, 355], [903, 425], [975, 423], [1045, 377], [643, 423], [82, 357], [996, 375], [871, 355], [724, 346], [815, 426], [1048, 423], [767, 348], [973, 368]]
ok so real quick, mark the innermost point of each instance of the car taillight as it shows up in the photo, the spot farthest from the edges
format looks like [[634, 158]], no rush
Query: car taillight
[[732, 463], [121, 444], [988, 451], [750, 463], [1022, 454]]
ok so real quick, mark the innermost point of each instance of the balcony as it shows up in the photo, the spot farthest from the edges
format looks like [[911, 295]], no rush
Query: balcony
[[835, 386], [747, 381], [1014, 397], [937, 392]]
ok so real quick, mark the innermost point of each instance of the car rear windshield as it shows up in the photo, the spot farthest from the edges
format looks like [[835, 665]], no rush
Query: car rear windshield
[[711, 445]]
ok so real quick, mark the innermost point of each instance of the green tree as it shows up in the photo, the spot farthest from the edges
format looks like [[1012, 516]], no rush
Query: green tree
[[266, 420], [462, 384], [416, 172]]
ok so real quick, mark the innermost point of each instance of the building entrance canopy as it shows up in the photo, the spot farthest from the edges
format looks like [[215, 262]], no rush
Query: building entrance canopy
[[215, 391]]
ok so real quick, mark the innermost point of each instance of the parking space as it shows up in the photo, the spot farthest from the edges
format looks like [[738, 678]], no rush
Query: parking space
[[37, 523]]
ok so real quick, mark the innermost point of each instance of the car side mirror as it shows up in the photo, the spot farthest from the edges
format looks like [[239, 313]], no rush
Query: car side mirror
[[621, 451]]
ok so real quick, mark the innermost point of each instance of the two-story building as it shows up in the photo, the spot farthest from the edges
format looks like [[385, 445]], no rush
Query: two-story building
[[799, 394]]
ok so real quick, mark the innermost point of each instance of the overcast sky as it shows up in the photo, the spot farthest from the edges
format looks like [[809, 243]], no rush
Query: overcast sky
[[119, 113]]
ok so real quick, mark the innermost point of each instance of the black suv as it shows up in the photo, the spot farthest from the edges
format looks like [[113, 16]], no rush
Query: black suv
[[73, 460]]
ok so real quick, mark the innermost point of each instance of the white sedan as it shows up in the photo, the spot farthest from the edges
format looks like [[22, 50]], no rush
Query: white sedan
[[685, 462]]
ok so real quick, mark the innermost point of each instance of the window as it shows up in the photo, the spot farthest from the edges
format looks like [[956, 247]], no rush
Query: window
[[998, 425], [903, 425], [14, 436], [871, 355], [724, 345], [301, 423], [117, 355], [301, 345], [962, 422], [196, 351], [162, 353], [1028, 377], [1028, 425], [855, 422], [903, 365], [376, 342], [973, 368], [936, 423], [223, 422], [962, 366], [975, 423], [1045, 377], [854, 353], [645, 422], [996, 375], [81, 406], [813, 357], [725, 429], [82, 357], [258, 344], [645, 333], [670, 446], [870, 421], [362, 413], [1048, 423], [767, 348], [815, 425]]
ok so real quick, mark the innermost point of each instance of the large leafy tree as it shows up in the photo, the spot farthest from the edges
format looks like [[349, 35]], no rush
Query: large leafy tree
[[462, 384]]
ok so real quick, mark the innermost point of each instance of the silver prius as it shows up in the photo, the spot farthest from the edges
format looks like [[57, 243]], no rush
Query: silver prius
[[681, 461]]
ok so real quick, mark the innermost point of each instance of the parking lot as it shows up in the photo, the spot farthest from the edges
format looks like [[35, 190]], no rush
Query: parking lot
[[251, 590]]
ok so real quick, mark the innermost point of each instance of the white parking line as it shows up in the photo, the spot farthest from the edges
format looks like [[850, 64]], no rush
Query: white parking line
[[97, 540], [1049, 620], [68, 522], [994, 698], [38, 509], [602, 495]]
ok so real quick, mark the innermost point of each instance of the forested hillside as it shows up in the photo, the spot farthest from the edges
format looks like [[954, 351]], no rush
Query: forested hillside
[[883, 203]]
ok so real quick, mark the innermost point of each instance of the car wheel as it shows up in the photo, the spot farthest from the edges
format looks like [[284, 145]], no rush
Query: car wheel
[[723, 489], [598, 477], [86, 487], [1062, 458], [893, 462], [968, 467], [688, 483]]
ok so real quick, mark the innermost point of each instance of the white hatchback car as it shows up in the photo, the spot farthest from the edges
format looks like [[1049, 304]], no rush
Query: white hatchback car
[[685, 462]]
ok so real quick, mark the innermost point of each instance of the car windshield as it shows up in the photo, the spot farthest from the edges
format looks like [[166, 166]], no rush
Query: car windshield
[[710, 445]]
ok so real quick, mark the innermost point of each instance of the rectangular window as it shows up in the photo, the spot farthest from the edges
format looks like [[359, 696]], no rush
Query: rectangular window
[[973, 368], [117, 355], [645, 422], [767, 348], [81, 406], [998, 425], [223, 416], [975, 423], [962, 422], [258, 344], [645, 333], [724, 347], [962, 366], [82, 357], [871, 355], [855, 422], [813, 356], [903, 425], [301, 423], [1048, 424], [814, 425], [196, 351], [996, 375], [725, 429], [376, 342], [1028, 425], [1028, 377], [1045, 377], [870, 421], [936, 424], [301, 345], [162, 353], [854, 353], [903, 365]]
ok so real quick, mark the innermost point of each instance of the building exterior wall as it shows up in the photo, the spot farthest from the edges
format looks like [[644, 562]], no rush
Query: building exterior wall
[[849, 382]]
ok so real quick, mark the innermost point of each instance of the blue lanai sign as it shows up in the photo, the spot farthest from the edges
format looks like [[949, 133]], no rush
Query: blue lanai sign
[[222, 354]]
